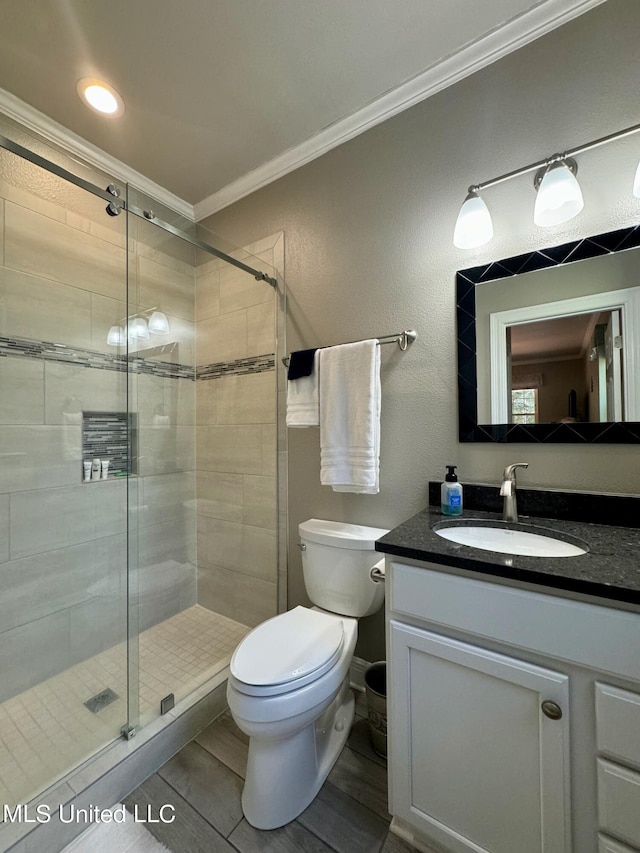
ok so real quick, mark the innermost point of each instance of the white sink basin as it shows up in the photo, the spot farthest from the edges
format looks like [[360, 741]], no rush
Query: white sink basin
[[506, 540]]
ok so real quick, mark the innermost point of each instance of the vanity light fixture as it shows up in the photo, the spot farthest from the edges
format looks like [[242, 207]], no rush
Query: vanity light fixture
[[158, 323], [138, 329], [116, 336], [559, 196], [100, 96], [474, 226]]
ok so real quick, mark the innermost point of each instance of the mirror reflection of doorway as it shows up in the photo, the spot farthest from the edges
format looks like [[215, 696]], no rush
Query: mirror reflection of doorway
[[566, 369], [613, 367], [576, 360]]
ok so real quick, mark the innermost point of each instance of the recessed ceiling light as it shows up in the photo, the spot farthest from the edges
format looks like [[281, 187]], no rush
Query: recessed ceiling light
[[100, 96]]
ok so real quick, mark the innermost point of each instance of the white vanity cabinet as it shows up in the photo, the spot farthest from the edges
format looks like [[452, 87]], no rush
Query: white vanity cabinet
[[618, 745], [483, 767], [504, 734]]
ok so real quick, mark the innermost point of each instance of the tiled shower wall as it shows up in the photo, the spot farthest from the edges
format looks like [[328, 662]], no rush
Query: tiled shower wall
[[62, 542], [236, 444]]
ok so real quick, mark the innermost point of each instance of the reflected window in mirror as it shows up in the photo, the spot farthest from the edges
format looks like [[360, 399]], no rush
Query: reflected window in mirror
[[524, 406], [562, 324]]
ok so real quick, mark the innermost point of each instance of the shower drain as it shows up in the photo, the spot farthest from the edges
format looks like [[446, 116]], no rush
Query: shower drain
[[101, 700]]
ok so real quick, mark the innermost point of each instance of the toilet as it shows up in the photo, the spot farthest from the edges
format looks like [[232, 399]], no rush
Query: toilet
[[288, 686]]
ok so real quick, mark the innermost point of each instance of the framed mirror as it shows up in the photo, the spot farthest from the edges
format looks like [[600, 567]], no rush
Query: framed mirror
[[549, 344]]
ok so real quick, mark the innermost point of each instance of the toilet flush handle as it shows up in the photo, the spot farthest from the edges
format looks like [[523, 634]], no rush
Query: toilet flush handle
[[302, 546], [377, 572]]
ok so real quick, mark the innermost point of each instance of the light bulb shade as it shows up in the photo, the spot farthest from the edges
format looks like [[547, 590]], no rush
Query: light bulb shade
[[159, 324], [116, 336], [138, 329], [636, 183], [559, 196], [474, 226]]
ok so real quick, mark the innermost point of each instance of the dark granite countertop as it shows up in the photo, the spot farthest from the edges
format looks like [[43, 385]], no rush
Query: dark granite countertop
[[610, 569]]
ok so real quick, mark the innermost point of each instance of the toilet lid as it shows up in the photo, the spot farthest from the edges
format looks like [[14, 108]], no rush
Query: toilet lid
[[288, 647]]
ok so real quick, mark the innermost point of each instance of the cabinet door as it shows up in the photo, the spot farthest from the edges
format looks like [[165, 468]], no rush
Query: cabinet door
[[475, 764]]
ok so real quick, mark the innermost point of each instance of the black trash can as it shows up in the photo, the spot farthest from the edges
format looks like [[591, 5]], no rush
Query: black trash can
[[375, 684]]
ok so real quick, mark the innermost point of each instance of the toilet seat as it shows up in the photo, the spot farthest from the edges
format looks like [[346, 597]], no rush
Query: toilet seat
[[287, 652]]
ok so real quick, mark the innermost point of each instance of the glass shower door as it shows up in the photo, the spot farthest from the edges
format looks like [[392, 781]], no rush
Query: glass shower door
[[162, 532], [204, 530], [124, 339], [64, 440]]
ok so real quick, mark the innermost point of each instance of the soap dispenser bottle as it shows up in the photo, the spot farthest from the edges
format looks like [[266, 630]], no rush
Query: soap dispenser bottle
[[451, 493]]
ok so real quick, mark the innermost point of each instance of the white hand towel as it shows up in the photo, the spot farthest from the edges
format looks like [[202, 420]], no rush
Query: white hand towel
[[303, 398], [350, 417]]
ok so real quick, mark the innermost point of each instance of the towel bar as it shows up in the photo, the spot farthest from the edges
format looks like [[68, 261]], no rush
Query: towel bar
[[403, 339]]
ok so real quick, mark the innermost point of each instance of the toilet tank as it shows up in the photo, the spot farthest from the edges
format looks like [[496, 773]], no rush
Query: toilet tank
[[336, 561]]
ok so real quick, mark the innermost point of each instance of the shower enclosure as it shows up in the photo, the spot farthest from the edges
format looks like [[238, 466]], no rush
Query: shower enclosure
[[125, 337]]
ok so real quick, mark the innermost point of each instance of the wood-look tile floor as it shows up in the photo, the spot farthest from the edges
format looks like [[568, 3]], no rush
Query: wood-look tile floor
[[204, 782]]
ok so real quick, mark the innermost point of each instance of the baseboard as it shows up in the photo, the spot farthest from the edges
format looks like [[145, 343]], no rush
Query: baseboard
[[399, 828], [356, 673]]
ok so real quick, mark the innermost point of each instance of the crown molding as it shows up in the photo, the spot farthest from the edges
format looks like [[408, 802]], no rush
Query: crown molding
[[531, 25], [71, 143], [544, 17]]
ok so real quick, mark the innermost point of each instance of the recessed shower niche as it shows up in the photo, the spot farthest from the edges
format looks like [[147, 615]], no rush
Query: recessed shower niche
[[112, 436]]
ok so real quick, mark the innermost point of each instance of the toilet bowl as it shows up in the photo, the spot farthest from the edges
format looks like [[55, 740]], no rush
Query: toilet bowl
[[288, 688], [297, 727]]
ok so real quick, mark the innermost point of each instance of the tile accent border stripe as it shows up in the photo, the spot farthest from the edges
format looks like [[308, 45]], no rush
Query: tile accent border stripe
[[81, 357], [252, 364]]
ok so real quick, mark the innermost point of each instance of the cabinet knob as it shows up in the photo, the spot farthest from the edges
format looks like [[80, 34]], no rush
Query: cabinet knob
[[551, 710]]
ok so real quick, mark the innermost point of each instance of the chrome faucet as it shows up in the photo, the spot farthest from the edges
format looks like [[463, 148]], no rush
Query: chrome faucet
[[508, 491]]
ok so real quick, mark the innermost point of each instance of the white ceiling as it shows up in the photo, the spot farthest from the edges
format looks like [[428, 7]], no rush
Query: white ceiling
[[223, 96]]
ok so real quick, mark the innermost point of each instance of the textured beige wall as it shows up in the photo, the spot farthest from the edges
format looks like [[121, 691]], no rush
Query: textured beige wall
[[368, 231]]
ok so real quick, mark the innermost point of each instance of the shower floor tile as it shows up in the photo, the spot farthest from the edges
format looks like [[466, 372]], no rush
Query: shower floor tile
[[47, 730]]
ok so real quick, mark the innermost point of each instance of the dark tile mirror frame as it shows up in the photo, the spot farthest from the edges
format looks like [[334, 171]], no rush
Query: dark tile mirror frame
[[466, 282]]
